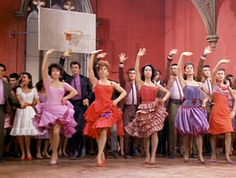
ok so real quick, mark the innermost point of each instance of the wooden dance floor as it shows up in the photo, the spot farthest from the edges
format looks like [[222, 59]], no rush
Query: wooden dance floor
[[116, 168]]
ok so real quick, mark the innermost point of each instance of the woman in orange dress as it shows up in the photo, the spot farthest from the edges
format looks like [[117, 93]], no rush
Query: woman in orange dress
[[221, 114], [104, 112], [151, 112]]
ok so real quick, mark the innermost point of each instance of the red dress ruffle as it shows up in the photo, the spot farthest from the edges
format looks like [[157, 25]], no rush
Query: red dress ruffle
[[102, 113]]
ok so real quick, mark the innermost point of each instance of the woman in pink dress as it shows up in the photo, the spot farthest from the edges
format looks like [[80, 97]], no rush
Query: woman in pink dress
[[56, 114], [151, 112], [104, 112]]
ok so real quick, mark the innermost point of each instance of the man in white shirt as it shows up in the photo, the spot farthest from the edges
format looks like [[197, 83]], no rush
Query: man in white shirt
[[204, 76], [175, 101]]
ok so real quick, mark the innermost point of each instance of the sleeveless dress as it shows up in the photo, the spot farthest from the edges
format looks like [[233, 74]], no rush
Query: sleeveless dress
[[220, 119], [53, 111], [23, 124], [150, 116], [102, 113], [191, 118]]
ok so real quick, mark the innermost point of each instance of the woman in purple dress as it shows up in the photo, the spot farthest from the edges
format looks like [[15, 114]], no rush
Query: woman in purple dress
[[191, 119], [57, 113]]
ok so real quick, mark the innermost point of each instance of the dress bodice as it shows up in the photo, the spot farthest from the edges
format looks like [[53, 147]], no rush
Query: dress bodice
[[192, 96], [103, 92], [148, 93], [29, 96], [55, 94]]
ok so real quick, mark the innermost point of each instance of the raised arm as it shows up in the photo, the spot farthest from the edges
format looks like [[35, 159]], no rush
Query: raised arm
[[65, 56], [207, 50], [222, 61], [122, 58], [172, 53], [137, 64], [93, 56], [180, 65], [45, 64]]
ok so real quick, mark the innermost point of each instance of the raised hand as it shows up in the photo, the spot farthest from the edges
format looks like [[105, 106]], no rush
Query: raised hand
[[224, 61], [122, 57], [101, 55], [141, 52], [67, 53], [173, 52], [96, 52], [207, 50], [50, 51], [186, 53]]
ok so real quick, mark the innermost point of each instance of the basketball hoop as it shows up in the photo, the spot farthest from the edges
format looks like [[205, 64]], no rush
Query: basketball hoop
[[73, 37]]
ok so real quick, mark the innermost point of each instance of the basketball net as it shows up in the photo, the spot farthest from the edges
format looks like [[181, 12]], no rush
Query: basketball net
[[72, 38]]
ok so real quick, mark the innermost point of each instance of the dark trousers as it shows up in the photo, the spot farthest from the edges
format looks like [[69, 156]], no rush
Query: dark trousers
[[77, 141], [206, 137], [114, 140], [175, 140], [2, 121], [163, 139], [129, 112]]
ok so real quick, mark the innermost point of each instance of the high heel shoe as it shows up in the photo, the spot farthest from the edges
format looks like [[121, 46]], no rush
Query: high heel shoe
[[39, 156], [22, 158], [29, 158], [100, 165], [54, 162], [186, 160], [152, 161], [201, 160], [229, 161]]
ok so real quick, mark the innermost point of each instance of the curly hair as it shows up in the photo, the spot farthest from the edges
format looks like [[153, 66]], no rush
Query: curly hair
[[153, 71], [55, 66], [39, 85], [102, 63]]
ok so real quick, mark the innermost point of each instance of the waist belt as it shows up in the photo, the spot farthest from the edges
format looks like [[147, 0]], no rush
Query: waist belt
[[176, 101]]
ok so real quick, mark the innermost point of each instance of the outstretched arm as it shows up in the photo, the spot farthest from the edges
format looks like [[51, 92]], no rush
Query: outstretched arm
[[180, 65], [222, 61], [141, 53], [122, 58], [45, 64], [207, 50]]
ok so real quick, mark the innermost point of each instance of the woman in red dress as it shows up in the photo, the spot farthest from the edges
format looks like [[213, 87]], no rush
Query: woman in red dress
[[104, 112], [221, 114]]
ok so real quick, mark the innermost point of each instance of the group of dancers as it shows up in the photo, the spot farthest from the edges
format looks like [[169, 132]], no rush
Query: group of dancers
[[193, 107]]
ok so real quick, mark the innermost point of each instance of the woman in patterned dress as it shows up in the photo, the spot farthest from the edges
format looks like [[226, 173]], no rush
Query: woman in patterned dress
[[151, 112]]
